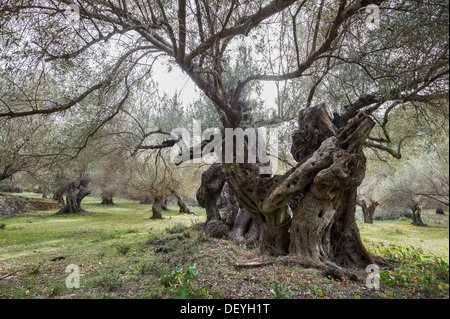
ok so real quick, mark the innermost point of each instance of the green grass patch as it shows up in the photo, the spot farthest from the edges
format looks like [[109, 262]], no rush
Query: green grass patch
[[122, 253]]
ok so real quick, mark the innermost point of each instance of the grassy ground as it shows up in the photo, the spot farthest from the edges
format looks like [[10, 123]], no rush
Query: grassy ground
[[122, 253]]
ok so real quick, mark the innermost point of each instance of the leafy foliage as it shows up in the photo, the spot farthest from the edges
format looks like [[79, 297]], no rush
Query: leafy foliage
[[182, 279], [418, 271]]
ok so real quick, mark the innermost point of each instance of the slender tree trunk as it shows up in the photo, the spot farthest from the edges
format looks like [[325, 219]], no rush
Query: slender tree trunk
[[157, 209], [164, 206], [416, 216], [182, 205]]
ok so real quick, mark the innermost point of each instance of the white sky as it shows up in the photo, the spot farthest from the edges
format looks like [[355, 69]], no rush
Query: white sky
[[177, 81]]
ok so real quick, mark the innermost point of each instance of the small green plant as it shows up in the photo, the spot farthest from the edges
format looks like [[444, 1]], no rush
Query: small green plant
[[2, 226], [183, 281], [418, 271], [123, 249], [318, 293], [278, 291], [35, 269]]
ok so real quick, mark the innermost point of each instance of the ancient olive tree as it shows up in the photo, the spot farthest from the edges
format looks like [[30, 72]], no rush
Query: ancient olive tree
[[153, 176], [110, 175], [333, 52], [74, 191]]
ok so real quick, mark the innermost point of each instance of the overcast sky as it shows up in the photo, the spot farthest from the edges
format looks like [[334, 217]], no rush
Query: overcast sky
[[177, 81]]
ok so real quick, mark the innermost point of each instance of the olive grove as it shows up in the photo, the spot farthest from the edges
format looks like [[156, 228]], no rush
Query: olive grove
[[340, 68]]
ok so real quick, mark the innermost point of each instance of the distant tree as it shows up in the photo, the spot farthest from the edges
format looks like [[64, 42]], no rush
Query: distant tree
[[75, 191], [152, 177], [368, 194], [416, 184]]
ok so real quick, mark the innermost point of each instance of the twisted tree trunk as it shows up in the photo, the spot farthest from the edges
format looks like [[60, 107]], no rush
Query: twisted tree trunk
[[225, 217], [59, 195], [322, 232], [76, 192], [210, 189]]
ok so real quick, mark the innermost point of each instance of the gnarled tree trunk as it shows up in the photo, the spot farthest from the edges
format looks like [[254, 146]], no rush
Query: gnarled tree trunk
[[59, 195], [225, 217], [107, 200], [76, 192], [322, 232], [209, 192]]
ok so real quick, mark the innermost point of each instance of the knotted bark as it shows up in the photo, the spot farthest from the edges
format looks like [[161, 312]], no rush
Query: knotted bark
[[211, 187], [225, 216], [322, 232]]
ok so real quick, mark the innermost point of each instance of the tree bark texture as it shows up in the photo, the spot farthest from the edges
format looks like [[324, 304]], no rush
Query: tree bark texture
[[58, 195], [417, 216], [225, 216], [322, 232], [157, 208]]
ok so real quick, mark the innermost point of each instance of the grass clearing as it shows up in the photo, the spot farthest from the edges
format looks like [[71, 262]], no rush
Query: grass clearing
[[122, 253]]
